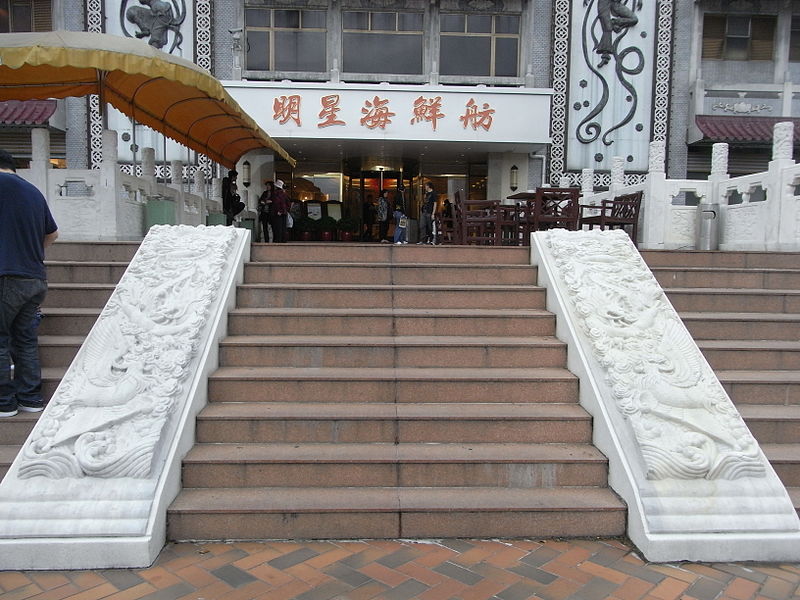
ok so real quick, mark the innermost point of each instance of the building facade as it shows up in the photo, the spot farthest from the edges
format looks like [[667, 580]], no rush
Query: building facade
[[483, 97]]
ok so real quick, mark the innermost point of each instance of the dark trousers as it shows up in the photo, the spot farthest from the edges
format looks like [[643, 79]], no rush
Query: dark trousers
[[19, 298], [278, 223], [265, 228], [383, 229]]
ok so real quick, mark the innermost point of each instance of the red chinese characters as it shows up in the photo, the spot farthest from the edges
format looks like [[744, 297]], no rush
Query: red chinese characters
[[286, 108], [376, 114], [427, 109], [475, 117], [330, 108]]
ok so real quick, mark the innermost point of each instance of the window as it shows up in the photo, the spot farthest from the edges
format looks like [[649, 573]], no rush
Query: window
[[25, 15], [794, 41], [738, 37], [479, 45], [382, 42], [285, 40]]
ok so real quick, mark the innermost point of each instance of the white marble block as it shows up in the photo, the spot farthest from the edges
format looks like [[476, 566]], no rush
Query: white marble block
[[697, 485], [92, 483]]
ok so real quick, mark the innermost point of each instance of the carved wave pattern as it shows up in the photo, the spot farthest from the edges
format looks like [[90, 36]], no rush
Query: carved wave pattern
[[682, 419], [107, 416]]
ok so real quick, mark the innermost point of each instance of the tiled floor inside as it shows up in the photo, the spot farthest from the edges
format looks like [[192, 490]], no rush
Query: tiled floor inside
[[397, 570]]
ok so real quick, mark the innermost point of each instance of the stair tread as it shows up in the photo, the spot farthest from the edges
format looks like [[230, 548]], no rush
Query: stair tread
[[394, 287], [794, 494], [771, 412], [436, 340], [86, 263], [61, 340], [377, 410], [750, 344], [378, 374], [61, 285], [389, 265], [8, 454], [738, 269], [746, 376], [270, 500], [71, 311], [777, 452], [739, 316], [376, 452], [394, 312], [734, 291]]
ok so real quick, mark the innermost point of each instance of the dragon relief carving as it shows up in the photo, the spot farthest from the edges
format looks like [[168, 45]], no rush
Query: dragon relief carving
[[108, 415], [681, 417]]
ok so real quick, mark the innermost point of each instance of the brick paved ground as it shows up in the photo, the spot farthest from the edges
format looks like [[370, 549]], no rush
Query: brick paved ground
[[398, 570]]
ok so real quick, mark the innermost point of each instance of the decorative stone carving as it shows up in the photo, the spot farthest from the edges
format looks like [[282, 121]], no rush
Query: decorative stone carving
[[783, 141], [114, 401], [741, 107], [741, 223], [682, 224], [719, 159], [617, 171], [657, 156]]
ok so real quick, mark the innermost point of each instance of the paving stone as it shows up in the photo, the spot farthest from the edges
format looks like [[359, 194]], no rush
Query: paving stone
[[597, 589], [457, 545], [233, 576], [518, 591], [404, 591], [293, 558], [122, 579], [346, 574], [458, 573], [326, 591], [401, 557], [540, 556], [534, 573], [705, 588]]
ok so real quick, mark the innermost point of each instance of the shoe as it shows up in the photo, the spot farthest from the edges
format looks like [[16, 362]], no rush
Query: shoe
[[420, 243], [31, 407], [404, 242], [8, 413], [385, 242], [398, 243]]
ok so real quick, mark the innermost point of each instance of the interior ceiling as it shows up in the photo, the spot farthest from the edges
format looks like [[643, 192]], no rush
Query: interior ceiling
[[328, 156]]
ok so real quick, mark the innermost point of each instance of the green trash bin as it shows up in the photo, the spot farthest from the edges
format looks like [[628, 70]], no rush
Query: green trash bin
[[216, 219], [159, 212], [250, 224]]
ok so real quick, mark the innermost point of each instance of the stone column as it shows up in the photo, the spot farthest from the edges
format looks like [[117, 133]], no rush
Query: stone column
[[587, 182], [107, 197], [149, 164], [656, 205], [782, 213], [40, 161], [617, 174]]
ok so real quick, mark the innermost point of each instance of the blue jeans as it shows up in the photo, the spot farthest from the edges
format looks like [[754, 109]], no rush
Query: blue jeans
[[399, 232], [19, 298]]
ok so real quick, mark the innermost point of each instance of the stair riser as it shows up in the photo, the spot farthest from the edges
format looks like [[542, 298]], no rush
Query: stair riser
[[14, 430], [239, 324], [389, 431], [386, 298], [672, 278], [763, 393], [57, 356], [388, 253], [85, 273], [388, 356], [753, 359], [732, 260], [390, 391], [76, 298], [504, 475], [260, 273], [387, 525], [66, 324], [773, 432], [742, 330], [789, 473], [94, 252], [761, 303]]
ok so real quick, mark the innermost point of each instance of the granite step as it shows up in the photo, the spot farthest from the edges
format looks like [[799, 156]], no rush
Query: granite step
[[345, 422], [388, 321], [772, 424], [761, 387], [785, 459], [723, 277], [15, 430], [58, 350], [373, 464], [266, 384], [399, 296], [388, 351], [386, 273], [742, 325], [764, 355], [389, 253], [77, 295], [734, 300], [715, 258], [92, 251], [391, 513], [68, 321], [7, 455], [84, 272]]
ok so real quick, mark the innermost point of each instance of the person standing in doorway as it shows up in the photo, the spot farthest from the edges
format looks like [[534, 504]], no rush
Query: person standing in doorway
[[367, 218], [264, 203], [278, 211], [383, 217], [26, 228], [426, 218]]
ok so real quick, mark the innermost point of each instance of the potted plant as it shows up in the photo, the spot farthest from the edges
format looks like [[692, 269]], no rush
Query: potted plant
[[327, 225], [306, 227], [347, 227]]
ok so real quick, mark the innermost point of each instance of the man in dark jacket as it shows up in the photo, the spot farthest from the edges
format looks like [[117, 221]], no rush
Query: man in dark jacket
[[26, 228], [278, 211], [426, 218]]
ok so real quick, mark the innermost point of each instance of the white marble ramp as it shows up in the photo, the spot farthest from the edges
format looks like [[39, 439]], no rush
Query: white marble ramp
[[698, 486], [92, 483]]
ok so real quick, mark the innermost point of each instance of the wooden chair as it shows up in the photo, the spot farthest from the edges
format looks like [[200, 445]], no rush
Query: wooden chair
[[555, 208], [615, 214]]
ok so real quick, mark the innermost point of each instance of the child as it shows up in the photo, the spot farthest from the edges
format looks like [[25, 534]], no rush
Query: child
[[400, 225]]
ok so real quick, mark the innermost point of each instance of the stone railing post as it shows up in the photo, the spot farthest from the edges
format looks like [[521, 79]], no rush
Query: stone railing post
[[149, 165], [781, 205], [40, 162], [617, 175], [108, 196], [656, 205], [587, 182]]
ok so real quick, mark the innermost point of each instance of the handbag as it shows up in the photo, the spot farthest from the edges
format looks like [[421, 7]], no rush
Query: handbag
[[289, 221]]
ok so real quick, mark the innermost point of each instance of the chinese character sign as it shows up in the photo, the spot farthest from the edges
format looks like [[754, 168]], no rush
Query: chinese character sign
[[330, 108], [477, 118], [376, 114], [287, 108], [427, 110]]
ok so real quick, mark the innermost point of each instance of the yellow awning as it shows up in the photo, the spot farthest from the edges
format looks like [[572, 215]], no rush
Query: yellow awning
[[167, 93]]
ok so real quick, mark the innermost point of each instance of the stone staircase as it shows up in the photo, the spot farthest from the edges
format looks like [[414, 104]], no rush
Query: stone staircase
[[81, 278], [390, 392], [743, 309]]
